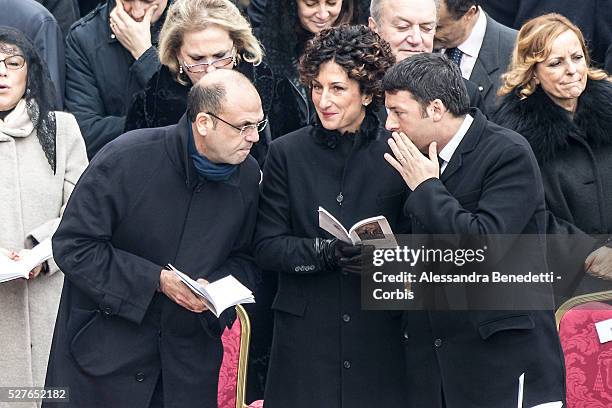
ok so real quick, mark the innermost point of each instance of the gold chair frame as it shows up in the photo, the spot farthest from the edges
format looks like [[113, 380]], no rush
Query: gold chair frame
[[579, 300], [243, 357]]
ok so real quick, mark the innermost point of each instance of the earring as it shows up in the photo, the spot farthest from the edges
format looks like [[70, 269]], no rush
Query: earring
[[180, 69]]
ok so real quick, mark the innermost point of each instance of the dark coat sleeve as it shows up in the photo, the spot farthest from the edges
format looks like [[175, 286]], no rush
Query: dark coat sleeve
[[146, 66], [135, 118], [49, 43], [84, 100], [276, 248], [514, 175], [122, 283]]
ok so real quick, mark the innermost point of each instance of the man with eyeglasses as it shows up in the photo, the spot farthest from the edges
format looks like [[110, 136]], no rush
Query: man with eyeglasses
[[111, 54], [129, 333]]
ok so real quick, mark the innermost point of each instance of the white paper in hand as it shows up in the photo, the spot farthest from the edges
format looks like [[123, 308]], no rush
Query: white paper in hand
[[10, 269], [219, 295]]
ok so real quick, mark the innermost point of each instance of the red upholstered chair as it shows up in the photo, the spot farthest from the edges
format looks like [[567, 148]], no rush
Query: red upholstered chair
[[232, 375], [588, 363]]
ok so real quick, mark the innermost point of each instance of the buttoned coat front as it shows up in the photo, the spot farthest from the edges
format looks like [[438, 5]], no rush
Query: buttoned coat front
[[32, 201], [326, 350]]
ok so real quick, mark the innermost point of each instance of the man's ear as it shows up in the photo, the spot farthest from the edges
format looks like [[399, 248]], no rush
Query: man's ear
[[372, 24], [471, 13], [436, 110], [203, 123]]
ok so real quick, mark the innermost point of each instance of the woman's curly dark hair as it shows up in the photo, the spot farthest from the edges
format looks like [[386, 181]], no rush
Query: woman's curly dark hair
[[283, 36], [361, 52]]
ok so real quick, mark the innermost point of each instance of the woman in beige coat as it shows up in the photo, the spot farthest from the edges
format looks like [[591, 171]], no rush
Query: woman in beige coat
[[42, 155]]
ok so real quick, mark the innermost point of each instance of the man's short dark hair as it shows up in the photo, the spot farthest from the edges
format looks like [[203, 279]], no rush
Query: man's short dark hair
[[427, 77], [205, 98], [457, 8]]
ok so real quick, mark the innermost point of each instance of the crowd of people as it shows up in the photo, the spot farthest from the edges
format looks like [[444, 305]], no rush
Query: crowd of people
[[205, 134]]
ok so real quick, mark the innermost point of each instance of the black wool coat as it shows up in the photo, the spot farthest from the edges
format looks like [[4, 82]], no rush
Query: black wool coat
[[139, 206], [164, 101], [575, 157], [102, 76], [326, 351], [474, 357]]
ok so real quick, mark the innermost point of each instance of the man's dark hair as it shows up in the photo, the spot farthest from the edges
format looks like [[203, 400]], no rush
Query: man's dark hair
[[428, 77], [205, 98], [457, 8]]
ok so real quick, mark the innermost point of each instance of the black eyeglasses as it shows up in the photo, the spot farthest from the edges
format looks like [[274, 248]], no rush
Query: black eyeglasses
[[218, 63], [14, 62], [259, 127]]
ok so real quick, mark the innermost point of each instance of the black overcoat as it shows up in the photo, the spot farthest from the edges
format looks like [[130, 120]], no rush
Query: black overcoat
[[139, 206], [575, 156], [326, 351], [475, 357], [102, 76]]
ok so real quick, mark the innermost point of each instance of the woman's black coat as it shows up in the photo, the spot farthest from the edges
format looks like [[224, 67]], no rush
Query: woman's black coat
[[326, 350], [575, 156], [164, 101]]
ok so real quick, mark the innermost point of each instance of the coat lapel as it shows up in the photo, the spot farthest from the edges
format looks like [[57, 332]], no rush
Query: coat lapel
[[488, 58]]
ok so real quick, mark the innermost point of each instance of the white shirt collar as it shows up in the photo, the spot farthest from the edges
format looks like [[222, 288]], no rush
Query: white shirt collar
[[471, 46], [447, 153]]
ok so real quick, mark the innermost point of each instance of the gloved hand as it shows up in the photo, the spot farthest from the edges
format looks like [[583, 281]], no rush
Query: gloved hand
[[329, 252], [356, 259]]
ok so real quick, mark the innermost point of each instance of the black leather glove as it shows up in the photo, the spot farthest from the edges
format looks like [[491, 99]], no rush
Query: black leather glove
[[356, 259], [329, 252]]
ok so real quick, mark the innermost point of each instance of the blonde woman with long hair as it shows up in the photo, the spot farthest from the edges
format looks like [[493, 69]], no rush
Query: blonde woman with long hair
[[563, 106]]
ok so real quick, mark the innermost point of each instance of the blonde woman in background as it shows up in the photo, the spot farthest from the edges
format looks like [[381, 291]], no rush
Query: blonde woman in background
[[563, 106], [198, 37]]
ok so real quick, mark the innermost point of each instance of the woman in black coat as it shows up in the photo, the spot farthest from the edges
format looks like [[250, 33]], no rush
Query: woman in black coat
[[326, 350], [564, 109], [286, 27], [199, 36]]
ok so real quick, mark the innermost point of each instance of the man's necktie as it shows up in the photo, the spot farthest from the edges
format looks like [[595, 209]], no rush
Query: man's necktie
[[454, 54]]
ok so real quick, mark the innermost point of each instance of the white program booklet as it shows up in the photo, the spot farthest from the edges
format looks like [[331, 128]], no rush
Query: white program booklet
[[371, 231], [219, 295], [10, 269]]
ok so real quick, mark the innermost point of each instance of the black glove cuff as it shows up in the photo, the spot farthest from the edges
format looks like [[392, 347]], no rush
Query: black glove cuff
[[325, 251]]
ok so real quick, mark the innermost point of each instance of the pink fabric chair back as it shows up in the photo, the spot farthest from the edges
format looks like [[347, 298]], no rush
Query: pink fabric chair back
[[588, 362]]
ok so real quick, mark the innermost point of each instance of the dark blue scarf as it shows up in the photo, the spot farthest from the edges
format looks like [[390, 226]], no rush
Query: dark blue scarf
[[205, 168]]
